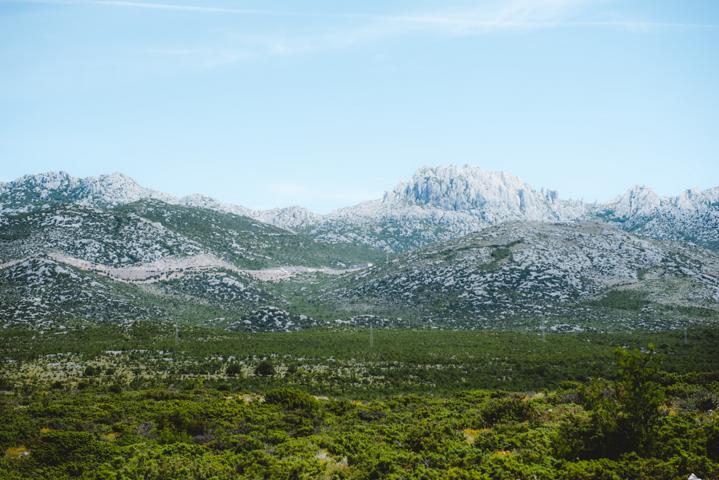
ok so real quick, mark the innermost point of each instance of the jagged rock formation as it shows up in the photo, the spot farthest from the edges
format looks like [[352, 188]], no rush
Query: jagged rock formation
[[692, 216], [59, 188], [493, 196], [440, 203], [436, 204]]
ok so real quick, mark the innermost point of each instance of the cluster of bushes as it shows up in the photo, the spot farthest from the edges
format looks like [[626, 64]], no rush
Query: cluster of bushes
[[336, 363], [644, 424]]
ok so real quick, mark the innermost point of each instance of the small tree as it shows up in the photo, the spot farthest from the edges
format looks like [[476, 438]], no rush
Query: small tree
[[233, 369], [623, 415], [639, 395]]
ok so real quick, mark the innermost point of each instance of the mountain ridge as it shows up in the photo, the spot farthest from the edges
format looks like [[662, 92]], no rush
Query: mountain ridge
[[435, 204], [465, 249], [519, 272], [116, 188]]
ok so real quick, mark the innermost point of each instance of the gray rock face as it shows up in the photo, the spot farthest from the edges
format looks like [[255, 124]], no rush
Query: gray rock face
[[474, 249], [436, 204], [496, 196], [691, 216], [441, 203], [524, 270], [56, 188]]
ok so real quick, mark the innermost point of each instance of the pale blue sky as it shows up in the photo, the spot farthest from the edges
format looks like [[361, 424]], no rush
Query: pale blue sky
[[325, 103]]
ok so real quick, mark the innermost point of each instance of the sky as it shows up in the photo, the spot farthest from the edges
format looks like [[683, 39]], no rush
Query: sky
[[325, 104]]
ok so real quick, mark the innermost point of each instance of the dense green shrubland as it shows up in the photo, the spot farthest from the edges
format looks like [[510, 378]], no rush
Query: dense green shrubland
[[107, 403]]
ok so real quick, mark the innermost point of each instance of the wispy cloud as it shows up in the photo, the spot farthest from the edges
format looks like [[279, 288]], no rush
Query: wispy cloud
[[496, 15], [509, 14], [528, 15], [170, 6], [486, 18], [183, 7], [499, 15]]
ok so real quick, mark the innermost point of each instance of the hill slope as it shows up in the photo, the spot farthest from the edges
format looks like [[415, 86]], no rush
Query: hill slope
[[517, 273], [482, 250], [150, 230]]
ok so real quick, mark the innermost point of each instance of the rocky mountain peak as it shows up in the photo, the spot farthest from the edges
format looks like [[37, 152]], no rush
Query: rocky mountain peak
[[115, 188], [44, 189], [496, 195], [43, 181], [29, 191], [294, 217], [638, 200]]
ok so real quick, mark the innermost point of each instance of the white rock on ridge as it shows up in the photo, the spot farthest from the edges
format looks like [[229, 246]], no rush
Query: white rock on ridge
[[691, 216], [37, 191], [440, 203], [203, 201], [437, 203], [32, 192], [292, 218], [115, 189], [639, 200], [493, 196], [527, 270]]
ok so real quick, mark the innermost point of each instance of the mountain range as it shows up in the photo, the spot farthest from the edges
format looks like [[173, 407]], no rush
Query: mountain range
[[454, 246], [437, 203]]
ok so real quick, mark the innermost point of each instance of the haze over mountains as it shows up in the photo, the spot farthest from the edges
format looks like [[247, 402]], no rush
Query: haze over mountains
[[452, 246]]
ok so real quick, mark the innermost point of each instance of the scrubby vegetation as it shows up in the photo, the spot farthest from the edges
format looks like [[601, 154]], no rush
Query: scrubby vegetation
[[138, 403]]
